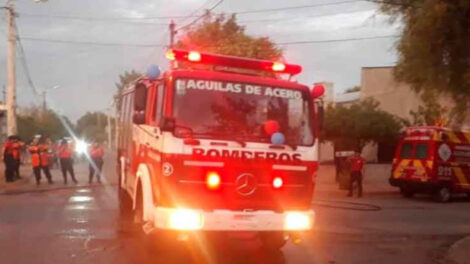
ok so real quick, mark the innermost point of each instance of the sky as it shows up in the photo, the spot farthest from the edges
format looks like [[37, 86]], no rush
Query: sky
[[86, 72]]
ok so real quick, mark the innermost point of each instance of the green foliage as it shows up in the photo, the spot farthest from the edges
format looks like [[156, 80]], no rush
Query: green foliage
[[434, 51], [429, 113], [351, 128], [223, 35], [124, 80], [353, 89], [92, 126], [33, 121]]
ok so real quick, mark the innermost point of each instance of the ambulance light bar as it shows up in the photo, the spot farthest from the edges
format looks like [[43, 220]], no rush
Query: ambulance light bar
[[231, 61]]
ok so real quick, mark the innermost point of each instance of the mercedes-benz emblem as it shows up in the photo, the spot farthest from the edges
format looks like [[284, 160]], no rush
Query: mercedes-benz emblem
[[246, 184]]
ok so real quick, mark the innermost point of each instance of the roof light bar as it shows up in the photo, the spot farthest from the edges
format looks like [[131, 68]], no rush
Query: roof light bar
[[232, 61]]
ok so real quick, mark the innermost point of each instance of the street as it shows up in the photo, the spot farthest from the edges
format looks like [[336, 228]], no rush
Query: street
[[80, 224]]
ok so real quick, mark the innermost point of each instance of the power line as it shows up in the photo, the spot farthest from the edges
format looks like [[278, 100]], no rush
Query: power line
[[201, 16], [90, 43], [131, 21], [161, 43], [283, 19], [196, 10], [241, 12], [390, 3], [24, 62], [335, 40], [295, 7]]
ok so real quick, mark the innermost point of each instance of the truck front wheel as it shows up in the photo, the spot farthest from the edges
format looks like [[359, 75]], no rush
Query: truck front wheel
[[442, 194], [406, 192], [125, 201], [272, 241]]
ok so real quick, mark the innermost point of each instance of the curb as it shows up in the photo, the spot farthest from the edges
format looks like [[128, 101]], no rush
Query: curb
[[459, 252]]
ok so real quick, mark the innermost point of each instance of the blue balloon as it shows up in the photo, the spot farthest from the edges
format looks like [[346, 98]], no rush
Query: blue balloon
[[153, 71], [278, 138]]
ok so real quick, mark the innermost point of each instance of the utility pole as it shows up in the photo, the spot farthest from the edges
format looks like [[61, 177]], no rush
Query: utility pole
[[11, 76], [110, 144], [172, 33]]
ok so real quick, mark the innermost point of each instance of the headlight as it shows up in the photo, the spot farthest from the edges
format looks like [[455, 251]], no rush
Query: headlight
[[298, 221], [81, 147], [185, 219]]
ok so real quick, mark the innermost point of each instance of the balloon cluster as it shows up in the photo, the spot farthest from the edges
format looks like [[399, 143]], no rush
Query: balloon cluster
[[271, 127], [153, 71]]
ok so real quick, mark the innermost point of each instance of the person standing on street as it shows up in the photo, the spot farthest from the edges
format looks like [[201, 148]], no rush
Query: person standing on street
[[66, 161], [96, 153], [44, 157], [17, 145], [35, 159], [356, 165], [9, 160]]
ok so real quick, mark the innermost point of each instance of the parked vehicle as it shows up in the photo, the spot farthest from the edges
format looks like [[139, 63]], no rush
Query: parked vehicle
[[432, 160]]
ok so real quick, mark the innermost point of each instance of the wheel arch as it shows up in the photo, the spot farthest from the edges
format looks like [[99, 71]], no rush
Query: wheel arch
[[144, 182]]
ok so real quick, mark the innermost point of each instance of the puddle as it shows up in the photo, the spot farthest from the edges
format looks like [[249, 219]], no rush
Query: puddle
[[78, 207], [75, 233], [80, 220], [80, 199], [83, 190]]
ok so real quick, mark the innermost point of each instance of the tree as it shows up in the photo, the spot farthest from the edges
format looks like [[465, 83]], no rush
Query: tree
[[351, 128], [124, 80], [222, 34], [434, 52], [354, 89], [92, 126], [32, 121], [429, 113]]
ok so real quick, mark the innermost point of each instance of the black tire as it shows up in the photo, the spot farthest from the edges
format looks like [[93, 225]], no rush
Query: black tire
[[272, 241], [407, 192], [125, 201], [442, 194]]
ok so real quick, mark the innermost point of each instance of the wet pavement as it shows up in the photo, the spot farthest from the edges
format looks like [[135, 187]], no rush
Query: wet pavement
[[80, 224]]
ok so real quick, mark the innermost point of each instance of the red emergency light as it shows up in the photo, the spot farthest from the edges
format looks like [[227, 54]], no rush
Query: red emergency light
[[232, 61]]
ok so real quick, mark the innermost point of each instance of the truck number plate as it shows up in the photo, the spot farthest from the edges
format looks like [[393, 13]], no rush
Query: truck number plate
[[243, 217]]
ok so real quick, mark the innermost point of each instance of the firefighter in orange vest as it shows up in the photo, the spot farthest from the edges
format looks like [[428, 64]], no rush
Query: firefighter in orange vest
[[44, 157], [35, 159], [8, 159], [96, 153], [356, 166], [17, 146], [66, 161]]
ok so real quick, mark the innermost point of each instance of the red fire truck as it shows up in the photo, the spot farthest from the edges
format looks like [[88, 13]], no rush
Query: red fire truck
[[220, 143], [434, 160]]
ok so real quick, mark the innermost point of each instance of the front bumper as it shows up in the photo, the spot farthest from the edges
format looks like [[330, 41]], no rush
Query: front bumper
[[227, 220]]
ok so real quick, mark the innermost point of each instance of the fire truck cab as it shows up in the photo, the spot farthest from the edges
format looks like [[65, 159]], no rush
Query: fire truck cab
[[434, 160], [221, 144]]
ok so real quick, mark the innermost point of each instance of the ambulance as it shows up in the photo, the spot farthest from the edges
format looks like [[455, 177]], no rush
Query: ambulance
[[433, 160], [220, 144]]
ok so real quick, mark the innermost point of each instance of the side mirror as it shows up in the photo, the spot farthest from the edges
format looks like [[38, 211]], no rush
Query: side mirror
[[138, 118], [168, 124], [317, 91], [140, 97]]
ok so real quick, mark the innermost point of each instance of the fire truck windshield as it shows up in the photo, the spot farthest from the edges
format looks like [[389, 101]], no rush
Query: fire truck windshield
[[238, 111]]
